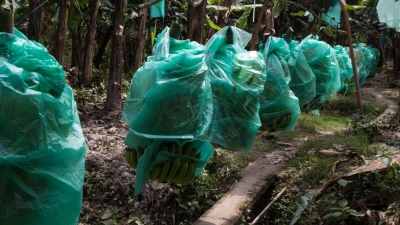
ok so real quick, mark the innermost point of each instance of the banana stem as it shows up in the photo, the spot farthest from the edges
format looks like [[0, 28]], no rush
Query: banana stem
[[7, 22]]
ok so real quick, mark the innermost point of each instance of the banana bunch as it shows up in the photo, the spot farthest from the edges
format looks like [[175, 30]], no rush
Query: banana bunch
[[284, 121], [132, 156], [179, 171]]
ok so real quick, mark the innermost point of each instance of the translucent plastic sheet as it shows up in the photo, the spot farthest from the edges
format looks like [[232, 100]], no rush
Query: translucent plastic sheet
[[279, 107], [42, 147], [237, 78]]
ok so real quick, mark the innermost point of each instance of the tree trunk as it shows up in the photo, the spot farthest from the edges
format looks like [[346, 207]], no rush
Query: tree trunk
[[221, 15], [87, 70], [113, 101], [59, 36], [76, 57], [35, 20], [141, 39], [102, 47], [196, 20]]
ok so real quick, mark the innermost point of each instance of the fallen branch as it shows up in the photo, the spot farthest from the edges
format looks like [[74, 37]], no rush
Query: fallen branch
[[268, 206]]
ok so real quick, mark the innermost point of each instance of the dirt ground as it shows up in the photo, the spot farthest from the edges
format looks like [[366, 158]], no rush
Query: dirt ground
[[109, 180]]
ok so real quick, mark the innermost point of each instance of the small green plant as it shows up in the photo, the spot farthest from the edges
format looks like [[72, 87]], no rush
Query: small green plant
[[341, 211]]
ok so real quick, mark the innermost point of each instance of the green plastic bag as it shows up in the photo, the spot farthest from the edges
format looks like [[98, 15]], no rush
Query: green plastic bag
[[277, 102], [374, 61], [170, 95], [367, 61], [237, 78], [346, 68], [388, 13], [42, 147], [158, 9], [321, 58], [361, 63], [302, 78]]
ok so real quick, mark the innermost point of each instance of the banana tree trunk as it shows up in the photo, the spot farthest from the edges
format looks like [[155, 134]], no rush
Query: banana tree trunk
[[35, 20], [196, 21], [58, 46], [141, 39], [113, 99], [87, 70], [7, 22]]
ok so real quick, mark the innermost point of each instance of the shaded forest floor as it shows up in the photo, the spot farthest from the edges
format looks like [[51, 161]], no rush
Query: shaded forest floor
[[109, 180]]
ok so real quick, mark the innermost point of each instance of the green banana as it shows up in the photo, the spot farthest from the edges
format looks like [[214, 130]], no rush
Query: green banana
[[164, 147], [274, 124], [139, 153], [182, 172], [134, 159], [171, 147], [233, 94], [288, 118], [265, 126], [244, 98], [187, 149], [164, 171], [178, 149], [282, 122], [155, 173], [193, 153], [174, 169], [128, 157], [190, 174]]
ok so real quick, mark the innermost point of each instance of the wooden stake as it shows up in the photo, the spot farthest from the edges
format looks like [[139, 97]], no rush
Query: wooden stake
[[353, 60]]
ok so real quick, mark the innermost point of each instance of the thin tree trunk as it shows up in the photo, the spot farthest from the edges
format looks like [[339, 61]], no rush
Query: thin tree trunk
[[113, 101], [35, 20], [196, 21], [141, 39], [87, 69], [58, 49], [221, 22], [102, 47], [76, 57]]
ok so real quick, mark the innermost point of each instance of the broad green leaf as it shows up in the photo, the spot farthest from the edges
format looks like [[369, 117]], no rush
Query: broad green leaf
[[354, 7], [200, 191], [277, 9], [335, 215], [343, 203], [148, 4], [299, 13], [242, 21], [342, 182], [153, 33], [354, 212], [211, 24]]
